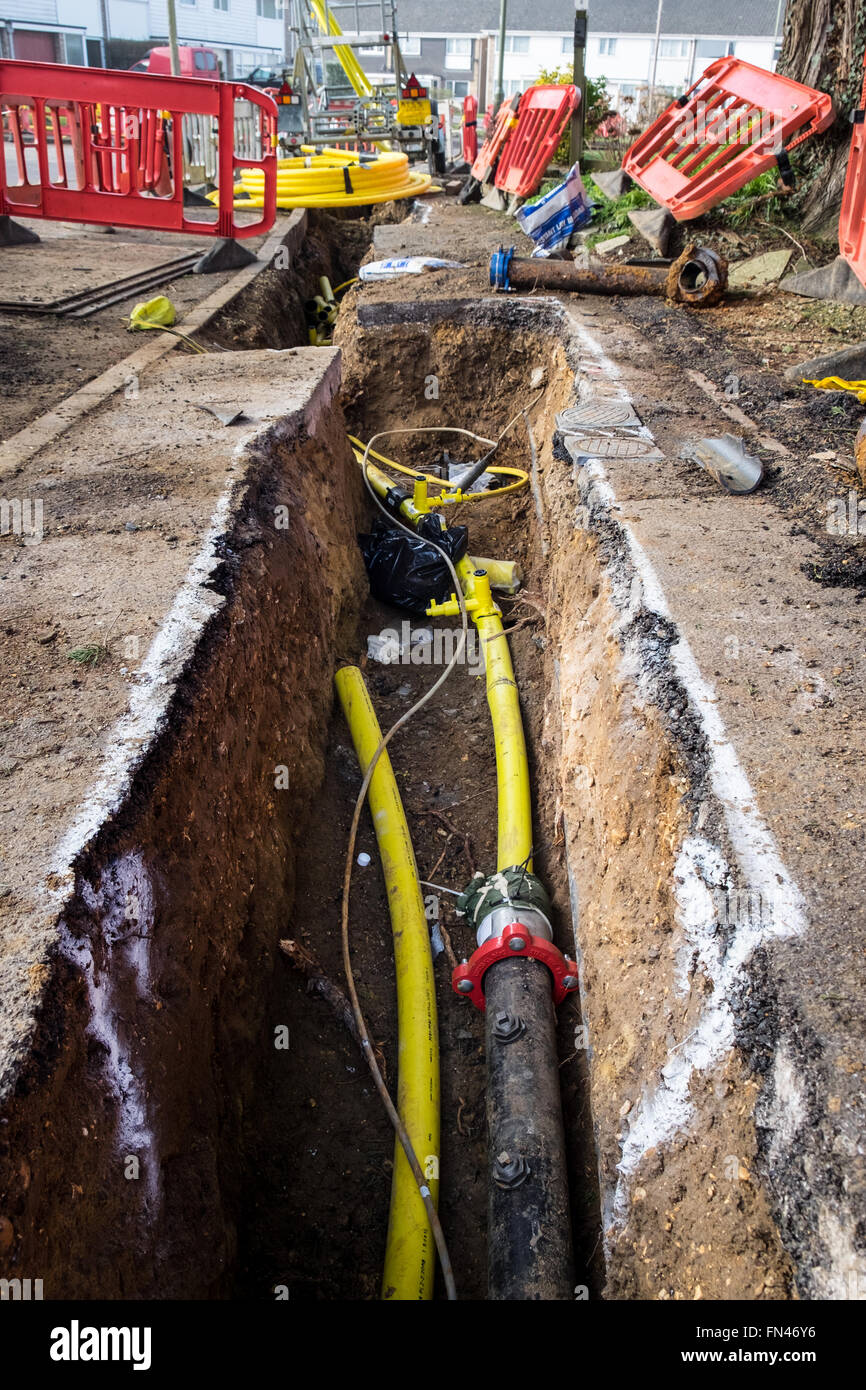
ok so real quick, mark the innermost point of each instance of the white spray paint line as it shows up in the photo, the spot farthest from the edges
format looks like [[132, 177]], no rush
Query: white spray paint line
[[123, 905], [666, 1110], [192, 607]]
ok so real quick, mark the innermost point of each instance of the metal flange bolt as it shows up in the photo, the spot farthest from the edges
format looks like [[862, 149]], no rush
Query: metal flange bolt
[[510, 1172], [508, 1027]]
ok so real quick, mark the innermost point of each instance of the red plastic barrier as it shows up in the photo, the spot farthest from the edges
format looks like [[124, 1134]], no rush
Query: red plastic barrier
[[107, 147], [470, 129], [497, 133], [543, 115], [722, 133], [852, 222]]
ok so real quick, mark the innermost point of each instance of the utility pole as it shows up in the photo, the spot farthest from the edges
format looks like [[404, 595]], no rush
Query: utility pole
[[656, 57], [106, 32], [578, 120], [172, 39], [500, 57], [288, 45]]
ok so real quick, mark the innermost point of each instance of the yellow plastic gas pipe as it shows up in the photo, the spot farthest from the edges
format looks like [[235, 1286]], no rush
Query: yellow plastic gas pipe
[[410, 1253], [332, 178], [342, 52], [514, 841]]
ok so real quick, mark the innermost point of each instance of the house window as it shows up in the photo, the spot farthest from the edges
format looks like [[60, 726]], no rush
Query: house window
[[410, 45], [269, 9], [567, 45], [515, 43], [713, 48], [458, 53], [674, 48], [220, 4], [607, 46], [75, 50]]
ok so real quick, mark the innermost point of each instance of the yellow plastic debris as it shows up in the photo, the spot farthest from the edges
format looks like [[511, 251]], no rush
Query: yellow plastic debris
[[156, 313], [835, 383]]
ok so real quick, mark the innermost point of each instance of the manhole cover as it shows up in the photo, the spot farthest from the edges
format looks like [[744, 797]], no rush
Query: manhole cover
[[602, 445], [597, 412]]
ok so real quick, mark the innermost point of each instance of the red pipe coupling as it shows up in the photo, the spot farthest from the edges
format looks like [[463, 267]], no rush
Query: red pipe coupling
[[516, 940]]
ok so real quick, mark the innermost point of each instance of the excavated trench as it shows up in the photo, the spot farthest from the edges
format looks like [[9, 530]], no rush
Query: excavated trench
[[317, 1116], [266, 1151]]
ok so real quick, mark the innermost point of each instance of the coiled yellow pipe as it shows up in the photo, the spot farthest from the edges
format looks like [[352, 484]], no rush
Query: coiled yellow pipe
[[448, 497], [410, 1254], [333, 178]]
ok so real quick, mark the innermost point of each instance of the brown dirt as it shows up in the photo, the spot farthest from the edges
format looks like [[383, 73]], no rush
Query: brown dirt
[[174, 899], [43, 358], [287, 1179]]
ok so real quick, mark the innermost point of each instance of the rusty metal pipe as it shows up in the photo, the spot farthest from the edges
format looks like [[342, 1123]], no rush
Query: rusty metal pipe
[[699, 277]]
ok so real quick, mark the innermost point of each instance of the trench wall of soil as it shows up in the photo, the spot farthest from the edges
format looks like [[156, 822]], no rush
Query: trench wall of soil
[[121, 1153]]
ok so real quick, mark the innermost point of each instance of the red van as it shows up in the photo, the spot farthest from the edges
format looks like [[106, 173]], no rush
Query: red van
[[195, 61]]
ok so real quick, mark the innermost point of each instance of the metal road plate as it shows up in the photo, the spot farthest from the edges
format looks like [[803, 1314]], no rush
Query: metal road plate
[[607, 444], [598, 411]]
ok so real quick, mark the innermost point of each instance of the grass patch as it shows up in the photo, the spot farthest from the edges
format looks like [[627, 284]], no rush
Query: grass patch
[[610, 217], [90, 655], [760, 200]]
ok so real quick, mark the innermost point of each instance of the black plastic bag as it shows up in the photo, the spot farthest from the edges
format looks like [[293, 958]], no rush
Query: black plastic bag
[[407, 571]]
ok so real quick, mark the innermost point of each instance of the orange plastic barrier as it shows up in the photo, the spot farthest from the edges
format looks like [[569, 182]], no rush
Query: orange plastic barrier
[[497, 134], [735, 122], [95, 145], [470, 129], [542, 116], [852, 222]]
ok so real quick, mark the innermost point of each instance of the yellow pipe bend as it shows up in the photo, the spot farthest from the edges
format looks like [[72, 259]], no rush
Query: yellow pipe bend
[[522, 477], [514, 799], [410, 1254]]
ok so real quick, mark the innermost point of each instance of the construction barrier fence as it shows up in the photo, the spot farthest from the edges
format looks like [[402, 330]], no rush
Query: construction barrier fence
[[95, 145], [734, 123], [852, 222]]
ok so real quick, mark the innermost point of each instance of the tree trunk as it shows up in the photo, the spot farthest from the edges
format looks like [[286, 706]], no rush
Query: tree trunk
[[823, 46]]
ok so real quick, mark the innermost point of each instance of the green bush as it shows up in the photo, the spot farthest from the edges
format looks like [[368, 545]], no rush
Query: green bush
[[597, 104]]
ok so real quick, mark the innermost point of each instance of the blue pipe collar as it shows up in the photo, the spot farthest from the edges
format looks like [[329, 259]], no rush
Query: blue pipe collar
[[500, 263]]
